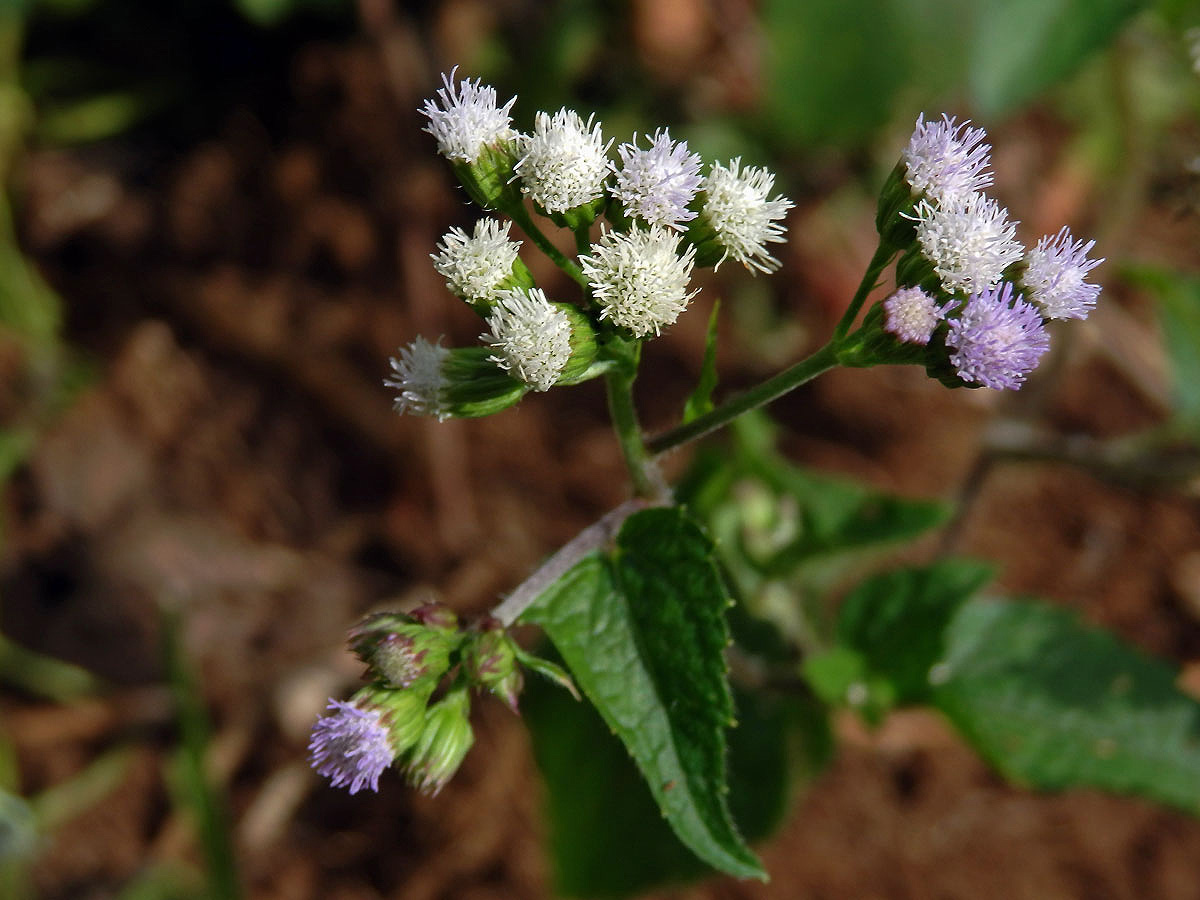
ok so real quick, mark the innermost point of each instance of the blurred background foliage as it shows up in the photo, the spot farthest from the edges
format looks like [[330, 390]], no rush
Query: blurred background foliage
[[824, 91]]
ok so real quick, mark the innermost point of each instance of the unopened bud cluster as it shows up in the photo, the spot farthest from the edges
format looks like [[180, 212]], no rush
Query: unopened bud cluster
[[414, 712], [660, 217], [971, 304]]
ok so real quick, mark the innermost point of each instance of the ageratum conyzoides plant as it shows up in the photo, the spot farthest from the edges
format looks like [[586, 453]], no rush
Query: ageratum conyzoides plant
[[640, 607]]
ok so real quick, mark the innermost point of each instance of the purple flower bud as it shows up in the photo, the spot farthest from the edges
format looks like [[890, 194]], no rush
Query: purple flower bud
[[400, 651], [492, 661], [351, 747], [997, 339], [1054, 276], [947, 162], [912, 315], [658, 183]]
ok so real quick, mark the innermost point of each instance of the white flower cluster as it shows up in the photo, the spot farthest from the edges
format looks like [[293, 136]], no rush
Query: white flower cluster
[[474, 267], [531, 335], [662, 215]]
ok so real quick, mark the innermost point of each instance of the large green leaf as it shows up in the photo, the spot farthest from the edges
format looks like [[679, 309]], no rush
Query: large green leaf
[[599, 806], [896, 620], [643, 633], [1021, 47], [1053, 703]]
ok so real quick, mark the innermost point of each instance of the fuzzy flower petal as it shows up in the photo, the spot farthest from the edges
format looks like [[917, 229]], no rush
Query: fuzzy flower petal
[[564, 162], [947, 162], [658, 183], [468, 118], [418, 379], [1055, 273], [475, 266], [970, 244], [912, 315], [639, 279], [351, 747], [997, 339], [745, 221], [532, 337]]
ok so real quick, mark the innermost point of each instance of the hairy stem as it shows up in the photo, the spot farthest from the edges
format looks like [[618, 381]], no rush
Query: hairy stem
[[647, 481], [772, 389], [879, 262], [593, 538], [521, 216]]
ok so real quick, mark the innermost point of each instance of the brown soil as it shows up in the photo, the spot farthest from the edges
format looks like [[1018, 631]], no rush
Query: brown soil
[[237, 461]]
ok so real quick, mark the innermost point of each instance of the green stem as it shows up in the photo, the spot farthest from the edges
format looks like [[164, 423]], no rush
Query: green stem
[[879, 262], [521, 216], [583, 240], [773, 388], [647, 482]]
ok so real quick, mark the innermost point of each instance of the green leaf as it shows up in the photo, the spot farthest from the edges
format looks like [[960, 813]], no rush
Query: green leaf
[[1178, 297], [600, 809], [896, 620], [834, 68], [1054, 703], [643, 633], [1021, 47], [700, 400]]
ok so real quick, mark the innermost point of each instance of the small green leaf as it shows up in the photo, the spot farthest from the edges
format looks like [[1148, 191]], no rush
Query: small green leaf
[[643, 633], [548, 670], [700, 400], [1054, 703], [835, 515], [896, 620]]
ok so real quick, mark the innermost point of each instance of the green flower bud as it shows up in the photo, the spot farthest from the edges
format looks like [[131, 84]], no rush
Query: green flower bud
[[583, 346], [474, 385], [444, 742], [402, 652], [489, 179], [578, 217], [402, 712], [896, 205], [492, 663], [873, 345], [436, 615], [914, 270], [703, 236]]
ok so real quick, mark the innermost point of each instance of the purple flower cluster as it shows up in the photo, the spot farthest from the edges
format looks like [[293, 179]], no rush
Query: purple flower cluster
[[997, 339], [351, 747]]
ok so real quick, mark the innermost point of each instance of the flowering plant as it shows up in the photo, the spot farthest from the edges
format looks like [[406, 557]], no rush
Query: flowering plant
[[686, 609]]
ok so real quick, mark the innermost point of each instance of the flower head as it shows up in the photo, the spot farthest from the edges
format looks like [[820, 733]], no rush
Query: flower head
[[639, 279], [564, 161], [468, 119], [658, 183], [997, 339], [475, 267], [351, 747], [445, 740], [532, 337], [969, 243], [912, 315], [417, 376], [745, 221], [1054, 276], [947, 162]]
